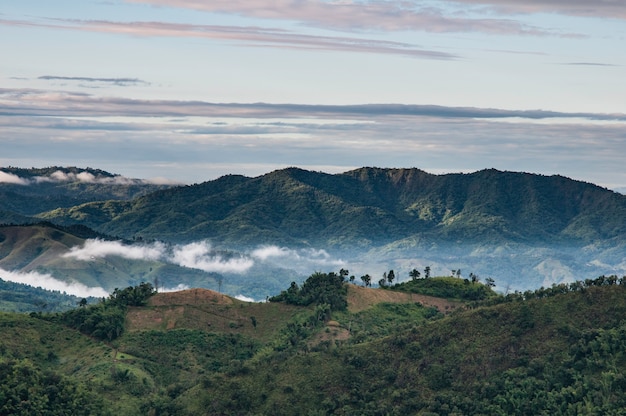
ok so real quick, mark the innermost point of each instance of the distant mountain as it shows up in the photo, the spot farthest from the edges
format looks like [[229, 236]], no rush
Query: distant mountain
[[27, 192], [40, 255], [364, 208], [523, 230]]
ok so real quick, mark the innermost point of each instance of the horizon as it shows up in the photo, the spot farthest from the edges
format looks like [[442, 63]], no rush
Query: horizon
[[9, 178], [192, 91]]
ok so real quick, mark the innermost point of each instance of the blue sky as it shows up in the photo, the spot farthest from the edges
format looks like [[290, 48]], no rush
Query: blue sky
[[190, 90]]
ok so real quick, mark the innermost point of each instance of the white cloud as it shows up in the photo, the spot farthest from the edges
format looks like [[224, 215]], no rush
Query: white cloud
[[200, 256], [244, 298], [11, 178], [303, 260], [97, 248], [197, 255], [177, 288], [47, 281], [265, 252]]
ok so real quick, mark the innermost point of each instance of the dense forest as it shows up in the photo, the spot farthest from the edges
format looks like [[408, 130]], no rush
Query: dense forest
[[435, 345]]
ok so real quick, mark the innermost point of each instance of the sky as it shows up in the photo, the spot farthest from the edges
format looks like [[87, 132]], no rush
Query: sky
[[190, 90]]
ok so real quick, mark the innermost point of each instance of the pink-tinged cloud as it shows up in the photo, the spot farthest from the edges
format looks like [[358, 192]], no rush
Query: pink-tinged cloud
[[248, 36], [359, 16], [32, 102], [615, 9], [392, 15]]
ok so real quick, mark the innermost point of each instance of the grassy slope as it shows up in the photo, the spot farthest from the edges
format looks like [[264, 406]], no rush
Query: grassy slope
[[198, 351]]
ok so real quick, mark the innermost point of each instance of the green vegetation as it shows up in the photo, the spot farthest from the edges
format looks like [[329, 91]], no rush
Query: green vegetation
[[558, 350], [18, 297], [105, 320], [365, 206], [318, 289], [447, 287]]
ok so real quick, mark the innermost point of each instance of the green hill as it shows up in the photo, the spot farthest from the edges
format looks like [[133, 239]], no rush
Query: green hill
[[524, 230], [553, 351], [366, 206], [39, 190]]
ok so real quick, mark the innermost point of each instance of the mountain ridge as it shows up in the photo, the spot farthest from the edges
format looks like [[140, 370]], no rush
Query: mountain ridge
[[297, 206]]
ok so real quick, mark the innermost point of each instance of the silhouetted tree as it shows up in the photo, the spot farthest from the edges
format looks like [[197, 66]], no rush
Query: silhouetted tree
[[414, 274], [367, 280]]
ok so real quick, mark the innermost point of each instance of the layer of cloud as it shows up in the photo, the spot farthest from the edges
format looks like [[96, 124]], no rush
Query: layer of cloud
[[196, 141], [391, 15], [48, 282], [604, 8], [302, 260], [82, 177], [246, 36], [362, 16], [120, 82], [12, 179], [198, 255], [21, 102], [97, 248], [201, 256]]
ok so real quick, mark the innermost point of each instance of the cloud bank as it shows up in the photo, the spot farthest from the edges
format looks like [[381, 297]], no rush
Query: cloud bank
[[120, 82], [242, 35], [12, 179], [201, 255], [93, 249], [48, 282], [390, 16], [198, 255], [81, 177]]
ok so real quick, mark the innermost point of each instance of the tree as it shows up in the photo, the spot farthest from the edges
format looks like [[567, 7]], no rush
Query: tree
[[352, 278], [391, 276], [414, 274], [427, 272], [382, 282], [490, 282], [473, 277], [367, 280], [343, 273]]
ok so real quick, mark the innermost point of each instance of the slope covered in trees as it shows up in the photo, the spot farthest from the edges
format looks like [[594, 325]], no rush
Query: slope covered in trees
[[368, 205], [556, 351]]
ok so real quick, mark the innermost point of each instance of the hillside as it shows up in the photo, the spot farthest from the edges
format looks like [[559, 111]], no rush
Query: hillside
[[27, 192], [40, 255], [368, 206], [557, 351], [523, 230]]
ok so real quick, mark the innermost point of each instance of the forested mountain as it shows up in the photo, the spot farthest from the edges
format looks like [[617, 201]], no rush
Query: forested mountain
[[525, 230], [393, 351], [27, 192], [365, 207]]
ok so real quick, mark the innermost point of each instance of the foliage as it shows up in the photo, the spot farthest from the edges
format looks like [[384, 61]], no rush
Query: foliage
[[19, 297], [319, 288], [26, 389], [561, 351], [447, 287], [105, 320]]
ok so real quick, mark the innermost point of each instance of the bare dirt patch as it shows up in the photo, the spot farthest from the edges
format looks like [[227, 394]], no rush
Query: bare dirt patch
[[361, 298], [190, 297]]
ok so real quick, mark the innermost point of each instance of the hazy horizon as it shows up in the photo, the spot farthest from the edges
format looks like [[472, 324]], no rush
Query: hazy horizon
[[190, 91]]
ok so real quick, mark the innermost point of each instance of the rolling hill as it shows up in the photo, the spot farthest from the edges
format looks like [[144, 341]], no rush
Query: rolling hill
[[367, 207], [558, 351], [522, 229]]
